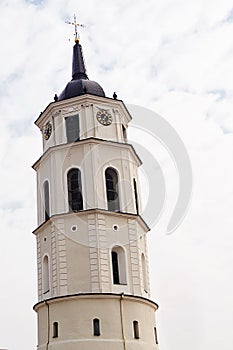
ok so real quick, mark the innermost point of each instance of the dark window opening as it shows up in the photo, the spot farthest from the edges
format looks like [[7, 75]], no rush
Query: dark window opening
[[111, 179], [115, 268], [136, 329], [96, 327], [156, 337], [72, 128], [124, 133], [135, 195], [75, 190], [55, 329], [46, 201]]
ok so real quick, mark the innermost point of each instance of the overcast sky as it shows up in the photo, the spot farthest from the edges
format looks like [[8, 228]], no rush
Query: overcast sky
[[172, 56]]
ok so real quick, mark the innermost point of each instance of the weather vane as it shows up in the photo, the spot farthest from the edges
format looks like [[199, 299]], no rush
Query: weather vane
[[76, 25]]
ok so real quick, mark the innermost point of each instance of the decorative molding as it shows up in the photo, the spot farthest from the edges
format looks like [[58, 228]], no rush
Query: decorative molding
[[97, 108], [39, 267], [62, 254], [103, 254], [134, 257], [99, 254], [56, 114], [54, 261], [118, 115], [116, 111], [69, 110], [147, 266], [93, 251], [86, 105]]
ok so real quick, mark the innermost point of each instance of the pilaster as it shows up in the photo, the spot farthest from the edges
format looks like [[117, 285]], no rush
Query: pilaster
[[39, 267], [134, 257], [62, 254], [54, 260]]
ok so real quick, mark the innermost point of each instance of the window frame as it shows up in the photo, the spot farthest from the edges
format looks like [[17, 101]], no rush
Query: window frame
[[46, 200], [136, 332], [71, 130], [112, 204], [55, 329], [45, 274], [136, 199], [119, 277], [124, 133], [96, 327], [144, 272], [71, 193]]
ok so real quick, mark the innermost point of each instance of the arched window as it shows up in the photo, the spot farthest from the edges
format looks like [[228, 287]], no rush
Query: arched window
[[144, 274], [55, 329], [75, 190], [118, 265], [45, 271], [96, 327], [136, 329], [46, 201], [111, 179], [135, 195], [115, 268]]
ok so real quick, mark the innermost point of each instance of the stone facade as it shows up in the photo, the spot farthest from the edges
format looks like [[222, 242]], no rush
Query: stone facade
[[84, 300]]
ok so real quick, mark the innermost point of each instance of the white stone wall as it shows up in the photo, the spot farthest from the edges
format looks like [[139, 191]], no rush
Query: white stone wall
[[80, 260], [116, 314], [86, 107], [79, 245], [92, 158]]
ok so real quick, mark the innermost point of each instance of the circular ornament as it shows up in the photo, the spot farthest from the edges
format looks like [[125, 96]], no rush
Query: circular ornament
[[104, 117], [74, 228], [47, 130]]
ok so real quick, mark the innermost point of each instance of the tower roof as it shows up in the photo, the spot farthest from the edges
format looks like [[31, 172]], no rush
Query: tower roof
[[80, 84]]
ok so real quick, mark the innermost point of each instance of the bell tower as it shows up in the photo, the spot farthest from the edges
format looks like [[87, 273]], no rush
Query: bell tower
[[93, 279]]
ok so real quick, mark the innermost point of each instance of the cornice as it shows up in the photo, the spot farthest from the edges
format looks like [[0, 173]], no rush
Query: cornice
[[80, 143], [83, 101], [80, 296], [84, 212]]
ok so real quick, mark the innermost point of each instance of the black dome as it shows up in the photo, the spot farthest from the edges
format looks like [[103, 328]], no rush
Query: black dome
[[80, 84], [79, 87]]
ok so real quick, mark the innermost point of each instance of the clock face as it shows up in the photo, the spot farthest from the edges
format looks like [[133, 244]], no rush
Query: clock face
[[104, 117], [47, 130]]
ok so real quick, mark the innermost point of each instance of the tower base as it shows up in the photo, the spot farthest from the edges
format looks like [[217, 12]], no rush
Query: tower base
[[97, 321]]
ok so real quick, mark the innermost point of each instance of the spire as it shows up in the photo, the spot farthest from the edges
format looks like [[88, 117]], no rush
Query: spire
[[78, 67], [80, 84]]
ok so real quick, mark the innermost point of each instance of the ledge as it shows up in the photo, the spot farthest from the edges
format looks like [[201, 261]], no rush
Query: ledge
[[96, 295], [94, 210], [54, 106], [88, 140]]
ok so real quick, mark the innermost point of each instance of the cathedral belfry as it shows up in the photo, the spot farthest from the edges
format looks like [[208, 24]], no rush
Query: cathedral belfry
[[93, 279]]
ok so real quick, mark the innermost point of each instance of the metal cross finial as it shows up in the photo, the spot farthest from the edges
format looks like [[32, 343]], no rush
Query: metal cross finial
[[76, 25]]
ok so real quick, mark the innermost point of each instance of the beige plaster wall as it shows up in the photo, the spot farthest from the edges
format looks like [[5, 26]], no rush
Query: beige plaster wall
[[79, 247], [116, 314]]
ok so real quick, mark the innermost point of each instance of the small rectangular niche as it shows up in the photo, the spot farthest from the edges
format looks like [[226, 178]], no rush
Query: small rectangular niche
[[55, 329], [136, 329], [96, 327]]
